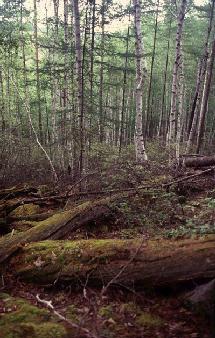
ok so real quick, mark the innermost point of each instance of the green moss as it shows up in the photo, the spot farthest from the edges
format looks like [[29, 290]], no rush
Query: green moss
[[25, 210], [106, 311], [72, 313], [148, 320], [131, 308], [22, 319]]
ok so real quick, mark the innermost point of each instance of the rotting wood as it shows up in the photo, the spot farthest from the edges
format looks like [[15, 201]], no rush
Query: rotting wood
[[58, 225], [17, 191], [158, 262], [197, 161], [8, 206]]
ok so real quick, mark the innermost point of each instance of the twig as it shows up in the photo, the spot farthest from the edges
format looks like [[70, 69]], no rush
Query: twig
[[114, 279], [27, 108], [154, 189], [188, 177], [49, 305], [79, 181]]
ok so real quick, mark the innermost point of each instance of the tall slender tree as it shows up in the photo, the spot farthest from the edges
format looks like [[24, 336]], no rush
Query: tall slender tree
[[79, 73], [176, 67], [141, 155]]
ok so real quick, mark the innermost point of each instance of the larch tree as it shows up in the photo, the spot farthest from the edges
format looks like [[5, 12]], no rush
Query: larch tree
[[79, 73], [37, 73], [201, 73], [141, 155], [205, 96]]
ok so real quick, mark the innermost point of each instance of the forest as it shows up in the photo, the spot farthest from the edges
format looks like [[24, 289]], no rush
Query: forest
[[107, 168]]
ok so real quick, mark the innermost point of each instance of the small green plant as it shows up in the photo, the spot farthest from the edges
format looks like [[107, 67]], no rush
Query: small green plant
[[210, 202]]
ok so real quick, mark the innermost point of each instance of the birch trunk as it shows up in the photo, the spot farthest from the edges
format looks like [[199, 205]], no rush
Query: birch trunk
[[180, 109], [122, 127], [161, 127], [174, 94], [141, 155]]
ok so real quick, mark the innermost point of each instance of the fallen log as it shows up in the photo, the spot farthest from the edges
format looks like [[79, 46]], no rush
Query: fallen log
[[127, 262], [197, 162], [17, 191], [57, 226]]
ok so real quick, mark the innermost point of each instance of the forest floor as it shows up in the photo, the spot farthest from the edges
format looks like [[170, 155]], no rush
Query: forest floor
[[162, 210]]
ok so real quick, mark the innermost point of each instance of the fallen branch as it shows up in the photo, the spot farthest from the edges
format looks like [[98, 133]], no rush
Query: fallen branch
[[156, 188], [48, 304]]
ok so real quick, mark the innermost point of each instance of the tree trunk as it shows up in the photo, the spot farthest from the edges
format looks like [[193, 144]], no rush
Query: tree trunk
[[79, 59], [174, 94], [149, 103], [203, 161], [58, 225], [122, 126], [127, 262], [200, 78], [161, 128], [37, 73], [195, 108], [206, 92], [141, 155], [180, 108], [101, 75]]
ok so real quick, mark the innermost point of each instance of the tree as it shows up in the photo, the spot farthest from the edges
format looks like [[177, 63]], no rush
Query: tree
[[79, 73], [141, 155], [175, 76]]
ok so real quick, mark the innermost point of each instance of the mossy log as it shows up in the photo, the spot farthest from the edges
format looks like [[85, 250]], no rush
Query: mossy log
[[17, 191], [127, 262], [198, 161], [57, 226]]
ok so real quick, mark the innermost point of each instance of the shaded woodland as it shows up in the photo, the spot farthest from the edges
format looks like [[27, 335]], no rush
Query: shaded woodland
[[107, 169]]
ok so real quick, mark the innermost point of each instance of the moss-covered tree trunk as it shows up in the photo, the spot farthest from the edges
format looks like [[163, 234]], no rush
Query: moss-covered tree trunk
[[57, 226], [128, 262]]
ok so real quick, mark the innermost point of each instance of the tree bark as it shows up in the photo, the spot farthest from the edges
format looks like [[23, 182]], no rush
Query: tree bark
[[122, 126], [141, 155], [205, 97], [37, 73], [101, 75], [176, 67], [200, 79], [58, 225], [128, 262], [149, 103], [203, 161], [79, 65], [161, 128]]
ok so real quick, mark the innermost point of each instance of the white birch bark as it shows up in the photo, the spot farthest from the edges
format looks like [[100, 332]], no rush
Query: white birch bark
[[174, 91], [180, 109], [141, 155]]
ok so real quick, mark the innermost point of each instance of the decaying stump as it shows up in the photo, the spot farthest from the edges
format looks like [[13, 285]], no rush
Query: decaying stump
[[134, 262]]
